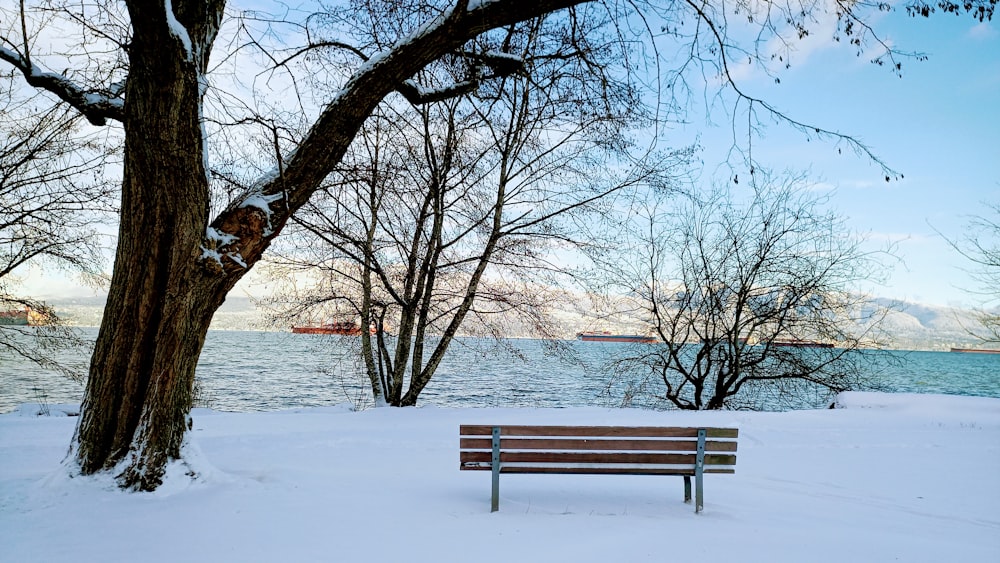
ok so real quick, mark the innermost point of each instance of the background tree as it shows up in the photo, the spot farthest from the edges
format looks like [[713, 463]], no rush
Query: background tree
[[982, 246], [53, 197], [151, 69], [452, 211], [731, 281]]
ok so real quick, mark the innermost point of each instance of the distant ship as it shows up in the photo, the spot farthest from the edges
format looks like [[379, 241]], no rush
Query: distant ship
[[790, 343], [343, 328], [975, 351], [605, 336], [14, 318]]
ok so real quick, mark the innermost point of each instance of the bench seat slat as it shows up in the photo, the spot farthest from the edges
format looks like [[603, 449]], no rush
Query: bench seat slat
[[588, 444], [603, 431], [635, 470], [596, 457]]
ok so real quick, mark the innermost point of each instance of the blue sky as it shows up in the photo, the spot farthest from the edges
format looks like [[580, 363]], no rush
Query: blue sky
[[938, 125]]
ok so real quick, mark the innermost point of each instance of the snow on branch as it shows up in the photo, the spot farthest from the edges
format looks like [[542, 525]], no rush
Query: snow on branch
[[96, 106], [262, 202], [240, 234], [501, 64], [417, 94], [218, 245]]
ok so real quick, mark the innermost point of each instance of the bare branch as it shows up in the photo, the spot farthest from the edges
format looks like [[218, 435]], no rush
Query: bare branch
[[96, 106]]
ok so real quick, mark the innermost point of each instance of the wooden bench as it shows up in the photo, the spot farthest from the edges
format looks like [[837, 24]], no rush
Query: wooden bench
[[614, 450]]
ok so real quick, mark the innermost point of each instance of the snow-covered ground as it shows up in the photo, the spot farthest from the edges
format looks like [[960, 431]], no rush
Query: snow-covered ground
[[884, 478]]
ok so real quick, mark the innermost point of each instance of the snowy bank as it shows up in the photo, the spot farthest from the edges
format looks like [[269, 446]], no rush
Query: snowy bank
[[881, 478]]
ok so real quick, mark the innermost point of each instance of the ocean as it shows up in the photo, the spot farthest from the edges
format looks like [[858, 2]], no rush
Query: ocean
[[266, 371]]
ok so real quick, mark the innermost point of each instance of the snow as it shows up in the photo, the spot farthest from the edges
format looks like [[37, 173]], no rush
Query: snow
[[94, 99], [219, 238], [506, 56], [423, 93], [210, 254], [263, 202], [237, 258], [912, 478], [178, 30]]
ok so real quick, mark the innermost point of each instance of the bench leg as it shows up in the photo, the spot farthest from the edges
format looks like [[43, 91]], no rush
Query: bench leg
[[495, 466], [699, 468], [495, 497], [687, 489], [699, 501]]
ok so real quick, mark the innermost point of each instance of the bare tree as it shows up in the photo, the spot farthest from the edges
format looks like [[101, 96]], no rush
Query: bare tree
[[150, 68], [982, 246], [52, 198], [452, 211], [756, 299]]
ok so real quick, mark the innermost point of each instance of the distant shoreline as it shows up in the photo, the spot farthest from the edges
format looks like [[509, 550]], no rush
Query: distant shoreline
[[949, 346]]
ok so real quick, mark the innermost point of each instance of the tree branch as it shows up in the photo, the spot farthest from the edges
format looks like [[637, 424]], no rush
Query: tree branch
[[96, 106], [501, 64], [332, 133]]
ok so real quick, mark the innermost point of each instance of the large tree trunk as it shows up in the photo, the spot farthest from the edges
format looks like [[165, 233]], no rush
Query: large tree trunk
[[161, 298]]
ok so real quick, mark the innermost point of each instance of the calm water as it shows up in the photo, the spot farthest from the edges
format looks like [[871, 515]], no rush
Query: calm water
[[256, 371]]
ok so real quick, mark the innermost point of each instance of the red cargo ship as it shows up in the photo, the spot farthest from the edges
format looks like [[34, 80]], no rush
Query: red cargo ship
[[605, 336], [344, 328]]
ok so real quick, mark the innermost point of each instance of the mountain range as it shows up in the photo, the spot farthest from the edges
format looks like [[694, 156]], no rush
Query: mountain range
[[910, 326]]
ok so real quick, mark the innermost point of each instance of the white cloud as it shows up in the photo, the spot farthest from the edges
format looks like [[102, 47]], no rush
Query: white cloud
[[786, 51], [872, 184], [982, 31], [821, 186]]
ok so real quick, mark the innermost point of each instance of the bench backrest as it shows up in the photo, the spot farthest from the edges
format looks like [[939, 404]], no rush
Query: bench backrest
[[639, 450]]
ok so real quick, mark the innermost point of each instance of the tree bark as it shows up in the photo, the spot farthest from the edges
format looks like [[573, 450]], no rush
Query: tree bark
[[161, 301]]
